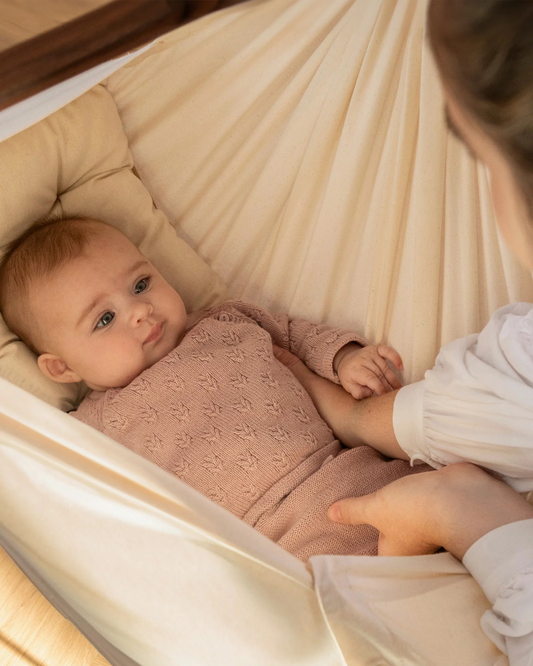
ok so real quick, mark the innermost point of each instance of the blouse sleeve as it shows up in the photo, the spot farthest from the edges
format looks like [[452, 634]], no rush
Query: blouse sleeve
[[502, 563], [476, 404]]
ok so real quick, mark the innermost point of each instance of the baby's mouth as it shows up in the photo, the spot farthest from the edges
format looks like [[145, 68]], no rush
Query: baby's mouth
[[155, 333]]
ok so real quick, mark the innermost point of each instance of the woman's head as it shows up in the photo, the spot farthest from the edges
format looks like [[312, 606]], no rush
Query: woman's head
[[484, 51]]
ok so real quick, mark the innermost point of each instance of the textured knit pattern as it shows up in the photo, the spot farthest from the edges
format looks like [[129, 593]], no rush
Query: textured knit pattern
[[226, 417]]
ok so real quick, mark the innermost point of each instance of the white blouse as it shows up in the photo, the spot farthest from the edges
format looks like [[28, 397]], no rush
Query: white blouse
[[476, 404], [502, 563]]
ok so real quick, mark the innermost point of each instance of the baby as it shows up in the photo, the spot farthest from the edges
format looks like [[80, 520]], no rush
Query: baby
[[202, 395]]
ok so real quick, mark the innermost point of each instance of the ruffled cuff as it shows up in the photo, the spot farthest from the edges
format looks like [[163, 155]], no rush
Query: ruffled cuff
[[499, 556], [408, 424]]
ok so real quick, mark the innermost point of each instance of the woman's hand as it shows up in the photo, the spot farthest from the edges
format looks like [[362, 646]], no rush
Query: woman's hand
[[450, 508]]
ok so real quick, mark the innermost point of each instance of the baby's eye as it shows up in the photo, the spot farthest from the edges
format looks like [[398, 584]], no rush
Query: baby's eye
[[141, 285], [105, 320]]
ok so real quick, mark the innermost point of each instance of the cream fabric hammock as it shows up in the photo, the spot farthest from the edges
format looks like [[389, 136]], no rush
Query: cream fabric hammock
[[325, 183], [299, 147]]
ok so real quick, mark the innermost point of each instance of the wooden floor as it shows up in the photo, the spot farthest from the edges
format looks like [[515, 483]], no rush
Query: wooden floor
[[32, 632]]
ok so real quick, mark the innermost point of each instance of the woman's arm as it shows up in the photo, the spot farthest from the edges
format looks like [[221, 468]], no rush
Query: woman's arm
[[354, 422]]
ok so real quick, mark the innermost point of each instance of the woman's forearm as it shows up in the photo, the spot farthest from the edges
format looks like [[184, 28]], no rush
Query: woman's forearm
[[369, 422], [354, 422]]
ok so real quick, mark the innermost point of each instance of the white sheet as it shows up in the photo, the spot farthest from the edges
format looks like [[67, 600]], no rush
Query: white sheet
[[162, 573]]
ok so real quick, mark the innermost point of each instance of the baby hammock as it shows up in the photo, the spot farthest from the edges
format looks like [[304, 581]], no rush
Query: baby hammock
[[299, 147]]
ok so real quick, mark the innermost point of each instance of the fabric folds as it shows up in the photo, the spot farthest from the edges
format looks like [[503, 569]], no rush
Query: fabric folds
[[154, 568], [300, 146]]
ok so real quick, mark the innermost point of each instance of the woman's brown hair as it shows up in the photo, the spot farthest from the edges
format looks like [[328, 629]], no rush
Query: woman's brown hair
[[484, 51]]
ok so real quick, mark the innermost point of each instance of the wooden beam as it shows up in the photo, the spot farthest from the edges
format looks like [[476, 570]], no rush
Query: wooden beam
[[89, 40]]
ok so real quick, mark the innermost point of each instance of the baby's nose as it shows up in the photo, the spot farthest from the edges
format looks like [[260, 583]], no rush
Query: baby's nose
[[140, 311]]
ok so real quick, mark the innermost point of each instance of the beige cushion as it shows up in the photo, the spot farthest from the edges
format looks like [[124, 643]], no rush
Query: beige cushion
[[77, 161]]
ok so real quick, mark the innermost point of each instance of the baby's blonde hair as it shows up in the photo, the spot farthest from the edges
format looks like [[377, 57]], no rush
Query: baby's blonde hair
[[44, 247]]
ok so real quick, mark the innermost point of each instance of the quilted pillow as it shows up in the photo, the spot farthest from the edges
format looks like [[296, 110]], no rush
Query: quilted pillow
[[77, 162]]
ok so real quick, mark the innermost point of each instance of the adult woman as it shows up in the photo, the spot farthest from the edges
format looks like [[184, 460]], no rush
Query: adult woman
[[484, 51]]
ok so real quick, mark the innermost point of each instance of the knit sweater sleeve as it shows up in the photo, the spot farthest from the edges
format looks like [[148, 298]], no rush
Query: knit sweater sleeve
[[315, 344]]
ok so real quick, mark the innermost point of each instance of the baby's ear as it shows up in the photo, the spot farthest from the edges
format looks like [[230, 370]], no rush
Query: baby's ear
[[56, 369]]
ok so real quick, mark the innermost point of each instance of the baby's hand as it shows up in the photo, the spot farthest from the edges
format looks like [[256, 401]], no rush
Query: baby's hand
[[364, 370]]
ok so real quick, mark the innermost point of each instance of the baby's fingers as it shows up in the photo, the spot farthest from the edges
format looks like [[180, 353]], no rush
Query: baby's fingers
[[359, 392], [392, 355], [388, 373], [374, 379]]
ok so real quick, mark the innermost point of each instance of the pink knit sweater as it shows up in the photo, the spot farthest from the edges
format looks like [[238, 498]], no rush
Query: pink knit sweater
[[224, 415]]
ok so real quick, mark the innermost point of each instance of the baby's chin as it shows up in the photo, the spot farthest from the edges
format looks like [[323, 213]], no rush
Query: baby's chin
[[104, 383]]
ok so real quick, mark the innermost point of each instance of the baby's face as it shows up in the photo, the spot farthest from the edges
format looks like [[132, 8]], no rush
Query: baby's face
[[106, 316]]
